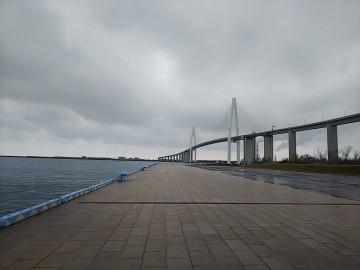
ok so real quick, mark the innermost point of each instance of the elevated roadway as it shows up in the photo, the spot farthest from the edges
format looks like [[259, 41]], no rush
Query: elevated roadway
[[249, 139]]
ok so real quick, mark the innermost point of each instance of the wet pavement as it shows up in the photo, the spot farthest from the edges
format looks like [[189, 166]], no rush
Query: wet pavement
[[335, 185]]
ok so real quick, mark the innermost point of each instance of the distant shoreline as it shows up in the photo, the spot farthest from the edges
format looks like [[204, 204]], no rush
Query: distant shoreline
[[82, 158]]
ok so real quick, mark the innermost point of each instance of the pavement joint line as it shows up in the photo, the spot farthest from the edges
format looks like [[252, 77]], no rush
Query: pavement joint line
[[230, 203]]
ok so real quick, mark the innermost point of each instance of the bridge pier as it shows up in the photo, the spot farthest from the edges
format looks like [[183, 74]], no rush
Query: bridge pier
[[193, 156], [249, 149], [268, 148], [238, 152], [186, 156], [332, 142], [292, 146]]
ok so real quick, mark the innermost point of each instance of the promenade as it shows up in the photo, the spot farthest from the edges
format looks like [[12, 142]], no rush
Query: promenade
[[182, 217]]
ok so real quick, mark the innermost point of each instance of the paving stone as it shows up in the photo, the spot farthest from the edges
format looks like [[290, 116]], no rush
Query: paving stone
[[200, 258], [194, 235], [56, 259], [221, 227], [175, 240], [139, 231], [25, 246], [306, 267], [177, 252], [237, 245], [70, 246], [179, 264], [174, 231], [214, 239], [276, 262], [133, 252], [155, 245], [221, 251], [257, 267], [136, 240], [40, 252], [251, 239], [118, 235], [247, 257], [113, 246], [157, 235], [229, 263], [228, 235], [87, 253], [76, 265], [23, 264], [96, 240], [56, 240], [107, 260], [154, 258]]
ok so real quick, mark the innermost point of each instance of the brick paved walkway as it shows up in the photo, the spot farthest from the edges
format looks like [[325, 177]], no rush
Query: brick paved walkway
[[180, 217]]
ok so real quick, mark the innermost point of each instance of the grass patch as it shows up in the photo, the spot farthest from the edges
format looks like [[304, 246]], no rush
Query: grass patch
[[312, 168]]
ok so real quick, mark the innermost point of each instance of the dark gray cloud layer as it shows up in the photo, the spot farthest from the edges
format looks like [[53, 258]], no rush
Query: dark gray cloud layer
[[132, 77]]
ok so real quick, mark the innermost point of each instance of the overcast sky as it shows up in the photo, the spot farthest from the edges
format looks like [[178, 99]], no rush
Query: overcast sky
[[131, 78]]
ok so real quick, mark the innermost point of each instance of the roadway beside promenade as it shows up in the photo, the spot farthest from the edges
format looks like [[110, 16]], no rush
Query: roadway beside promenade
[[347, 187], [182, 217]]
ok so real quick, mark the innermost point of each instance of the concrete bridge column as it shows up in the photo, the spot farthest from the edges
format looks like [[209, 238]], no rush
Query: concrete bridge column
[[292, 146], [249, 149], [238, 152], [184, 156], [332, 143], [268, 148]]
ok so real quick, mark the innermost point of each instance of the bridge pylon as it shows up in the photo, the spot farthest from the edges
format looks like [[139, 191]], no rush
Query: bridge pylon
[[233, 113], [192, 153]]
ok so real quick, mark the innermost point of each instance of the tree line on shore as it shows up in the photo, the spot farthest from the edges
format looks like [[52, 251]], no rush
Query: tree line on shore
[[347, 156]]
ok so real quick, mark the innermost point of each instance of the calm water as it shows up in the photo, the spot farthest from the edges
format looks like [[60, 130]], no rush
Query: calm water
[[25, 182]]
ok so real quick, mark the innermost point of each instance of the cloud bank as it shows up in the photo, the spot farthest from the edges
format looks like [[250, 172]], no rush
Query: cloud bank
[[131, 78]]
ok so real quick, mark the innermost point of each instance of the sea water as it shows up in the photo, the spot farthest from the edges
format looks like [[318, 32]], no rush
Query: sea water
[[25, 182]]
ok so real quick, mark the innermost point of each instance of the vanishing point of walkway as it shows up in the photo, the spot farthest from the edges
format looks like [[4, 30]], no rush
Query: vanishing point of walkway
[[181, 217]]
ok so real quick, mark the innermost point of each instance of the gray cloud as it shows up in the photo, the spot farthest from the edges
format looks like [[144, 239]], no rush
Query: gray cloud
[[140, 73]]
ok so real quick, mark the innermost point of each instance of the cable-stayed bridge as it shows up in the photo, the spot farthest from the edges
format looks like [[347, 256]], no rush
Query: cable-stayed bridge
[[189, 155]]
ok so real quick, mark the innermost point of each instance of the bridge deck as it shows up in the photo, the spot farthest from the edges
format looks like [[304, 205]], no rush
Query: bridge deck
[[180, 217]]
